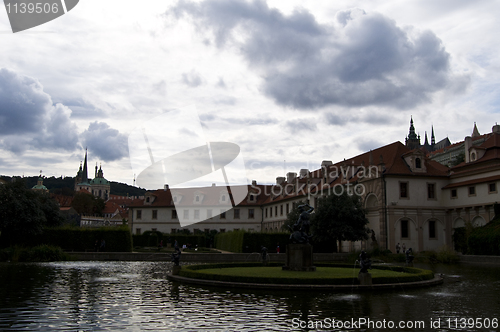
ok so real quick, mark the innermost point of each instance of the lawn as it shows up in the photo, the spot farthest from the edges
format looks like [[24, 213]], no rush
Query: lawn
[[320, 273]]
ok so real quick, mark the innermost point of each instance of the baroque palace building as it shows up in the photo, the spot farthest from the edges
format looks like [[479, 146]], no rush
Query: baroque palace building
[[409, 196]]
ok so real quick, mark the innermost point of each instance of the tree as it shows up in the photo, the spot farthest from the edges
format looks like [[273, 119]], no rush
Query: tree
[[339, 217], [87, 204], [25, 212]]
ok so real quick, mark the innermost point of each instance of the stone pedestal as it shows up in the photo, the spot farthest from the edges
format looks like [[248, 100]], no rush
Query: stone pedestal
[[176, 269], [299, 257], [365, 279]]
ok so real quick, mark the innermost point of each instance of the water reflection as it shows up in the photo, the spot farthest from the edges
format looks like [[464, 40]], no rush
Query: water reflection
[[136, 296]]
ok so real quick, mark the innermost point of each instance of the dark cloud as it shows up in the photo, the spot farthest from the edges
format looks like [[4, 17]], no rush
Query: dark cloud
[[106, 143], [192, 79], [342, 117], [29, 119], [360, 59]]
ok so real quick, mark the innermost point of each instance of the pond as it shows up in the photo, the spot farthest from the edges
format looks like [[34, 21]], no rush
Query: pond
[[136, 296]]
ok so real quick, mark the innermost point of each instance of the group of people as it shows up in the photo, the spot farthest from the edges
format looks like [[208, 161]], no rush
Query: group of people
[[399, 247]]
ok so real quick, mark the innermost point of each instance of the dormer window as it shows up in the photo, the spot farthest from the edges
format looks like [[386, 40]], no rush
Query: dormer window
[[473, 156], [418, 163], [175, 199], [251, 197], [147, 199], [223, 198], [197, 198]]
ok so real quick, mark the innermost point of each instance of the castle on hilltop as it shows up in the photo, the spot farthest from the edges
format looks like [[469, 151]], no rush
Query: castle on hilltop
[[99, 186]]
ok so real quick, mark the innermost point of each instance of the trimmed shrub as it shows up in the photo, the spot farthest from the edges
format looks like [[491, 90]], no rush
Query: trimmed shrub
[[42, 253]]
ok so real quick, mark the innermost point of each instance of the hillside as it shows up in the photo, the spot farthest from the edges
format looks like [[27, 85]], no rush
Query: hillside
[[66, 185]]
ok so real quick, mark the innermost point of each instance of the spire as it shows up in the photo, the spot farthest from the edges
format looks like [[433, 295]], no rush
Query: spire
[[85, 177], [475, 132], [433, 139], [426, 141], [412, 134], [95, 169]]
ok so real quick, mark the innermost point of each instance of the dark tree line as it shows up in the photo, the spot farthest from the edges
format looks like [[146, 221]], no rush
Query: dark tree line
[[24, 213]]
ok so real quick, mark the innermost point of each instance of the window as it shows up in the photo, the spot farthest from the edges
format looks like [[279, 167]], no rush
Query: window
[[153, 229], [186, 214], [222, 230], [288, 208], [207, 230], [473, 156], [138, 214], [174, 214], [492, 188], [137, 231], [270, 212], [403, 189], [175, 199], [418, 163], [236, 213], [472, 191], [404, 229], [276, 210], [154, 214], [197, 198], [173, 230], [251, 213], [196, 214], [147, 199], [432, 229], [223, 198], [431, 192], [454, 193], [281, 209], [222, 214], [252, 197], [209, 213]]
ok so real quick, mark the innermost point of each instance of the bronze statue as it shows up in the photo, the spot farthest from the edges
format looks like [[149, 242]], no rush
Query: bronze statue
[[364, 262], [300, 230], [176, 256], [409, 256]]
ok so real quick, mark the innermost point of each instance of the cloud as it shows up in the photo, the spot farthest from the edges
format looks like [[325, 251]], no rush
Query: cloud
[[105, 142], [29, 119], [361, 59], [299, 125], [192, 79]]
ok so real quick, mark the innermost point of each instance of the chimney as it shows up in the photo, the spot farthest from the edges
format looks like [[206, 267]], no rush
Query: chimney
[[467, 146], [304, 173], [213, 184], [290, 177], [280, 180], [165, 187], [254, 183]]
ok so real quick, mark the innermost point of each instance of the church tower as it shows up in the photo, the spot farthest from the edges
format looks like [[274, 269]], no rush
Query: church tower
[[412, 141], [82, 178]]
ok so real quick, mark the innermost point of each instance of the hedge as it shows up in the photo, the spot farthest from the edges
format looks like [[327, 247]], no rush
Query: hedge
[[153, 238], [485, 240], [196, 272], [117, 239]]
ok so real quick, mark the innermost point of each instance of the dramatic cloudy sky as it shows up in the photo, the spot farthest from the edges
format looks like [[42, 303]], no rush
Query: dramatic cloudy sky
[[291, 82]]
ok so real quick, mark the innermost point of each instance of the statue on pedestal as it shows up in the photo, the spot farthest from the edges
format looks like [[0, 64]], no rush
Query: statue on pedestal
[[300, 230]]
